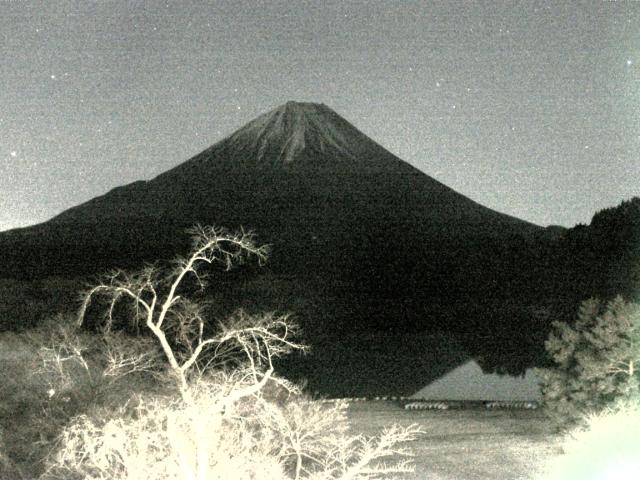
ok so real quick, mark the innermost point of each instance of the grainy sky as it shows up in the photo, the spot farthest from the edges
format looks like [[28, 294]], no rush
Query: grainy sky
[[530, 108]]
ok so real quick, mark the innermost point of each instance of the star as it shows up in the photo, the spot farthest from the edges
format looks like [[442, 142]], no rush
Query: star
[[53, 77], [629, 63], [13, 153]]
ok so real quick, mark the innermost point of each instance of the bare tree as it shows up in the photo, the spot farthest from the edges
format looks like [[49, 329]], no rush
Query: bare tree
[[224, 426], [159, 304]]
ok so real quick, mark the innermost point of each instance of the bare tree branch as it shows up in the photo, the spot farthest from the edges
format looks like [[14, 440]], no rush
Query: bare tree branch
[[169, 313]]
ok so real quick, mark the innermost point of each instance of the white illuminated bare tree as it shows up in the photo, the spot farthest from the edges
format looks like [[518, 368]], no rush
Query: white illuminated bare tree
[[225, 424], [163, 310]]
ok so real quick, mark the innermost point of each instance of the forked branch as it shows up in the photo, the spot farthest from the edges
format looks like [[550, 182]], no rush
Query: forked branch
[[156, 298]]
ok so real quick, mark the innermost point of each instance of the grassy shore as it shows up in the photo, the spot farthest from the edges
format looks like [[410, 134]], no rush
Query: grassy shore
[[467, 444]]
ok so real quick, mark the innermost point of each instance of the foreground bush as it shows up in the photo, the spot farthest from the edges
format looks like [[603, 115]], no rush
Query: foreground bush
[[8, 468], [596, 360], [606, 447], [223, 413], [164, 438], [50, 375]]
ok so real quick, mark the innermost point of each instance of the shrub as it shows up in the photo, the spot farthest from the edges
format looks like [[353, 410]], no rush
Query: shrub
[[8, 469], [596, 360], [52, 374], [165, 438]]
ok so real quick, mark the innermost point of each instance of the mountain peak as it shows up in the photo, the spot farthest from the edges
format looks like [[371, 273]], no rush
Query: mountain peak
[[296, 130], [292, 105], [293, 108]]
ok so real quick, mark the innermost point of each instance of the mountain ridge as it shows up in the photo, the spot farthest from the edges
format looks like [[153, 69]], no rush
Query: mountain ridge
[[295, 139]]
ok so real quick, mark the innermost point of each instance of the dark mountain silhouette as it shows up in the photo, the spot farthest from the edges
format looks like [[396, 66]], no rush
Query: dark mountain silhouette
[[362, 242], [300, 175]]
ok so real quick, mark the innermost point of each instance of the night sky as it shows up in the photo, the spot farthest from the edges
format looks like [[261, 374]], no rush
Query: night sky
[[530, 108]]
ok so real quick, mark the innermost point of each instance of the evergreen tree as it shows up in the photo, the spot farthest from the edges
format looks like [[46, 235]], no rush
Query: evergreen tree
[[596, 360]]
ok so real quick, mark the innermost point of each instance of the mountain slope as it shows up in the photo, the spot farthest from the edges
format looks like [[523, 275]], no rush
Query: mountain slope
[[298, 148]]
